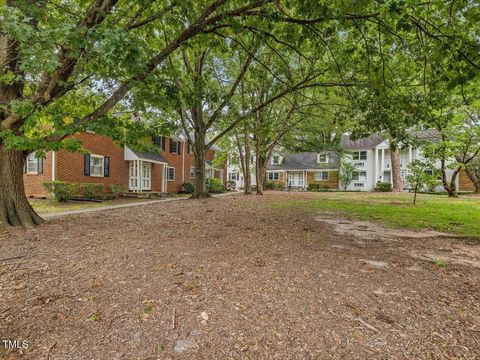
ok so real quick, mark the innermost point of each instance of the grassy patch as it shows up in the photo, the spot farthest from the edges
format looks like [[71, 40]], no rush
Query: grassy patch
[[46, 206], [461, 216]]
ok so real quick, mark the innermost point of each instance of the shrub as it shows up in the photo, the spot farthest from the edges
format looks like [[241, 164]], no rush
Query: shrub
[[61, 190], [91, 190], [215, 185], [313, 187], [277, 186], [383, 187], [269, 185], [188, 187], [231, 184], [116, 189]]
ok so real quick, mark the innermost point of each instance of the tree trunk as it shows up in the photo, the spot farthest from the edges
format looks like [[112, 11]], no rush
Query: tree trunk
[[15, 210], [474, 175], [260, 172], [247, 176], [415, 194], [200, 187], [396, 177], [449, 186]]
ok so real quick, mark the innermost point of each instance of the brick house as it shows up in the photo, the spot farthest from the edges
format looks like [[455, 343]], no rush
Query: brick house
[[163, 172]]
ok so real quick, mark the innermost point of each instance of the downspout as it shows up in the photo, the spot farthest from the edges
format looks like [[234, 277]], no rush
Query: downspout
[[183, 162], [54, 165]]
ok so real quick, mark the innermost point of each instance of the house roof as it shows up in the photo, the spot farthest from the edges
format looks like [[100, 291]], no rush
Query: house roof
[[149, 156], [365, 143], [306, 160]]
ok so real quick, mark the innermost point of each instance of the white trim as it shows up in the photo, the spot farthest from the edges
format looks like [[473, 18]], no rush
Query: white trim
[[321, 177], [174, 173], [183, 160], [93, 156], [30, 159], [322, 162], [131, 156], [54, 165]]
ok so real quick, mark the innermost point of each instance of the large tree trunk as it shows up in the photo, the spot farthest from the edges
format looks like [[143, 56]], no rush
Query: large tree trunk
[[396, 177], [260, 172], [15, 210], [200, 186], [474, 175]]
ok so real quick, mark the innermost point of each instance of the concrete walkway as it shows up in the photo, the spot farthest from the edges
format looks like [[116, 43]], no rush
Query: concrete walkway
[[112, 207]]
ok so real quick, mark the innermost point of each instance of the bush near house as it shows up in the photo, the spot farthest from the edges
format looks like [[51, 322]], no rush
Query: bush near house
[[313, 187], [269, 185], [188, 187], [63, 191], [383, 187], [215, 185], [231, 185]]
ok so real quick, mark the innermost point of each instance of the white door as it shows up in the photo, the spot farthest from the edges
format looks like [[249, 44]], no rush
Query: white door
[[295, 179], [147, 176], [133, 172]]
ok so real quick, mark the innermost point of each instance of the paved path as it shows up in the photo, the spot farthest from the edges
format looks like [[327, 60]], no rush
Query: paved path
[[112, 207]]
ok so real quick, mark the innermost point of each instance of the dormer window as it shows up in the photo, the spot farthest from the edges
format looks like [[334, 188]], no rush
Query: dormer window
[[276, 159], [322, 158]]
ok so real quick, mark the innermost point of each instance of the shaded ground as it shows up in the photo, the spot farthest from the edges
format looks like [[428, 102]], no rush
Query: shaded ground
[[234, 278]]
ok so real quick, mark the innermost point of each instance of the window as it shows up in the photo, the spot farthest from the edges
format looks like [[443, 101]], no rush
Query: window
[[429, 172], [359, 155], [360, 176], [273, 176], [192, 172], [170, 173], [190, 148], [174, 147], [322, 158], [32, 164], [158, 141], [321, 176], [276, 159], [96, 165], [358, 184], [233, 176]]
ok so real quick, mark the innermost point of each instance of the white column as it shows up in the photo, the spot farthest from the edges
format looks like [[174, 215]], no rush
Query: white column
[[140, 173], [410, 155], [54, 166], [375, 167], [382, 161]]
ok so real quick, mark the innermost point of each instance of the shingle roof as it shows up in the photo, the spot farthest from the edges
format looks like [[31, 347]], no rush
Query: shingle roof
[[149, 156], [365, 143], [306, 160]]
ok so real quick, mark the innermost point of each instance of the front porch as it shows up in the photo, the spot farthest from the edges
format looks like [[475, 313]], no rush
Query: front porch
[[142, 179]]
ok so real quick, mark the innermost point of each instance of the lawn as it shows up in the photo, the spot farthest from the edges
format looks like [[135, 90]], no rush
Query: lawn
[[460, 216], [46, 206]]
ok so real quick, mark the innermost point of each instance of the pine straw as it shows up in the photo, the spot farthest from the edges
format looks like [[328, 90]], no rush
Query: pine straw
[[230, 278]]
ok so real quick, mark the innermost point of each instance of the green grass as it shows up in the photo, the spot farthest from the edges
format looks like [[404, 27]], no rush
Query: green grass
[[460, 216], [46, 206]]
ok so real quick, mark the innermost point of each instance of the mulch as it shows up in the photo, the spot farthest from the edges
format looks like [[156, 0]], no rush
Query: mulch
[[230, 278]]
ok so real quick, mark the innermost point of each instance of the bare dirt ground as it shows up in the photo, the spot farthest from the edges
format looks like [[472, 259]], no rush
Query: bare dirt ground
[[234, 278]]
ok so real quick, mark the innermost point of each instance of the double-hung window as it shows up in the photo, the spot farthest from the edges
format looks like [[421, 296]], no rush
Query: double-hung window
[[359, 176], [174, 147], [96, 165], [192, 172], [359, 155], [32, 164], [170, 173], [273, 176], [322, 158], [321, 176]]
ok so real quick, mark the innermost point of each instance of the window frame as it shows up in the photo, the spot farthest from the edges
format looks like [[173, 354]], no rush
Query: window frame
[[161, 140], [278, 159], [167, 174], [192, 172], [321, 177], [319, 156], [357, 177], [32, 158], [177, 146], [272, 174], [102, 166], [357, 155]]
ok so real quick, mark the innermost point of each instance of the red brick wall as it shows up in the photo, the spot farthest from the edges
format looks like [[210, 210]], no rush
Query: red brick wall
[[465, 184], [34, 182], [70, 165]]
